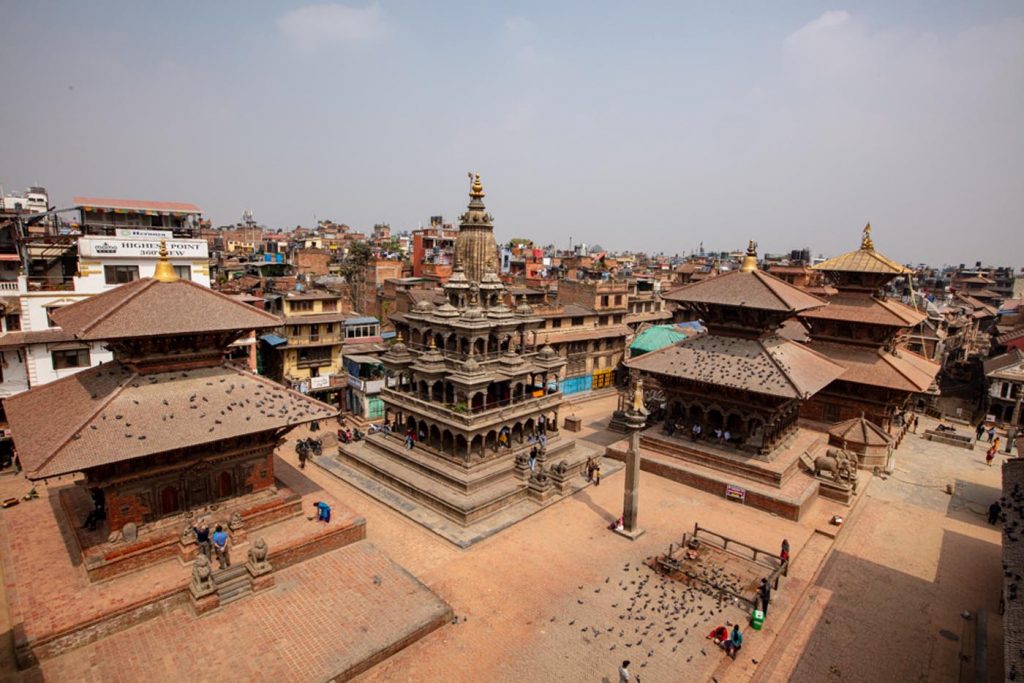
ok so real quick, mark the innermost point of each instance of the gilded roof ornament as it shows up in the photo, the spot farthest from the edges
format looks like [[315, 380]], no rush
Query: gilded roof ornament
[[749, 264], [476, 188], [164, 271], [865, 243]]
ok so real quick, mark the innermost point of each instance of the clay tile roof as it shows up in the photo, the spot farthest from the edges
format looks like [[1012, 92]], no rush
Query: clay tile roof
[[903, 371], [149, 308], [770, 365], [110, 414], [1011, 335], [862, 261], [1005, 366], [860, 432], [755, 289], [136, 205], [853, 308]]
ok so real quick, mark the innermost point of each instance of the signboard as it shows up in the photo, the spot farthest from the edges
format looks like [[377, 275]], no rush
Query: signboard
[[121, 247], [137, 233], [319, 382], [733, 492]]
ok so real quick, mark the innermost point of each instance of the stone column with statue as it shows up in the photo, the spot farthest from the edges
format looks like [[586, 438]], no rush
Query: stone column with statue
[[635, 421]]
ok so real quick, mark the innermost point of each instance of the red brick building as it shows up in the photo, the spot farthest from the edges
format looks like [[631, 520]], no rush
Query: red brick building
[[168, 425]]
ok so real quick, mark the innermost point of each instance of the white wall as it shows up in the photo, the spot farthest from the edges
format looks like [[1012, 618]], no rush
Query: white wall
[[40, 362], [15, 372]]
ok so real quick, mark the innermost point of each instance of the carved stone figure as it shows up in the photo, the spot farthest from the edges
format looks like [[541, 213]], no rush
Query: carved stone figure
[[258, 553], [562, 468], [202, 577], [130, 532], [236, 521]]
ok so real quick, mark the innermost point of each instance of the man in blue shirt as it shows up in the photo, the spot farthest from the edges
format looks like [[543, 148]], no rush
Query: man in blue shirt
[[220, 547]]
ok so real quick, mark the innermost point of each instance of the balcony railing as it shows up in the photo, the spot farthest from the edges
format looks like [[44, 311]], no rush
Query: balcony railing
[[510, 410], [313, 362], [50, 284]]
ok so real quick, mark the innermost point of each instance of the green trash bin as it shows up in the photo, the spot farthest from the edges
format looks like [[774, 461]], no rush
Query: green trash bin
[[757, 619]]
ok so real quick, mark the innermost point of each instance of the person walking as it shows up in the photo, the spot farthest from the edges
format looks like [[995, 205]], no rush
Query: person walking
[[993, 512], [624, 672], [202, 533], [597, 474], [990, 455], [991, 433], [979, 431], [784, 556], [765, 593], [916, 419], [220, 547]]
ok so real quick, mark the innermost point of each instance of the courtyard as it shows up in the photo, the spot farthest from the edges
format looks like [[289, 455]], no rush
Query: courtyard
[[547, 598]]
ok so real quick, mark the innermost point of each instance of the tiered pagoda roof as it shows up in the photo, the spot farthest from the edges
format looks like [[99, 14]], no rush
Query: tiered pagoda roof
[[143, 405], [109, 414], [741, 351]]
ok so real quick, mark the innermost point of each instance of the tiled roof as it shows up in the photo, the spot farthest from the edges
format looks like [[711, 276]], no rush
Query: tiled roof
[[566, 311], [150, 308], [770, 365], [1004, 366], [50, 335], [136, 205], [854, 308], [570, 334], [755, 289], [904, 371], [860, 431], [862, 261], [1002, 339], [110, 414]]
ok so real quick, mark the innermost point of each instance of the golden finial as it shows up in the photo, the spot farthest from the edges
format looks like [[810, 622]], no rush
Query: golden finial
[[749, 264], [865, 243], [164, 271], [476, 188], [433, 343]]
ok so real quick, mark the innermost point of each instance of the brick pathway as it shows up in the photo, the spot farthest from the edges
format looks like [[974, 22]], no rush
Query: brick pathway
[[912, 558], [321, 618]]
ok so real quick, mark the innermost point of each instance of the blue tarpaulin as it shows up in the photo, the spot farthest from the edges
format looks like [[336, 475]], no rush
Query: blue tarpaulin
[[273, 339]]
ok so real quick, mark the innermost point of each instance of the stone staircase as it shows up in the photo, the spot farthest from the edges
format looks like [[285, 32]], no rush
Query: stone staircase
[[232, 583]]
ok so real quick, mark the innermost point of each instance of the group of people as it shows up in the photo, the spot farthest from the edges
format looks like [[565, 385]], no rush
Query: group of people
[[593, 470], [718, 434], [730, 642], [215, 543]]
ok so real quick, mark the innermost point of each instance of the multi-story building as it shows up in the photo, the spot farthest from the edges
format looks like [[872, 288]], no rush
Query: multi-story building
[[1005, 377], [645, 305], [433, 250]]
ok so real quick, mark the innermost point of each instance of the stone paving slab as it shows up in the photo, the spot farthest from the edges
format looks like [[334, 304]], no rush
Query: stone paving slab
[[330, 616], [461, 536]]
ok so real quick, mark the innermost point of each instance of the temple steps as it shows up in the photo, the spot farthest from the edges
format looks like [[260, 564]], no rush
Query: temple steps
[[232, 583], [775, 472], [402, 472], [790, 500], [426, 462]]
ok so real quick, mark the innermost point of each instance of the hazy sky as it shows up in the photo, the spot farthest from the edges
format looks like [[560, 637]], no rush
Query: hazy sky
[[650, 126]]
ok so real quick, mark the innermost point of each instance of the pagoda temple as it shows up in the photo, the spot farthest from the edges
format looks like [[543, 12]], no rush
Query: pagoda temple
[[168, 426], [730, 398], [865, 333], [468, 384], [741, 376]]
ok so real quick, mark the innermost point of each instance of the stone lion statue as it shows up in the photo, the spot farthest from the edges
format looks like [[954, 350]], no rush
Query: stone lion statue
[[202, 576], [562, 468], [258, 552]]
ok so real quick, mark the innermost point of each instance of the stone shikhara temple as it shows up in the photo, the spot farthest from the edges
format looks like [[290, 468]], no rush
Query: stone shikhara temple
[[470, 382], [168, 427]]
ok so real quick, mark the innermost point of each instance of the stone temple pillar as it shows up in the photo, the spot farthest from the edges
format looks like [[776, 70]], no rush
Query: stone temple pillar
[[635, 421]]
